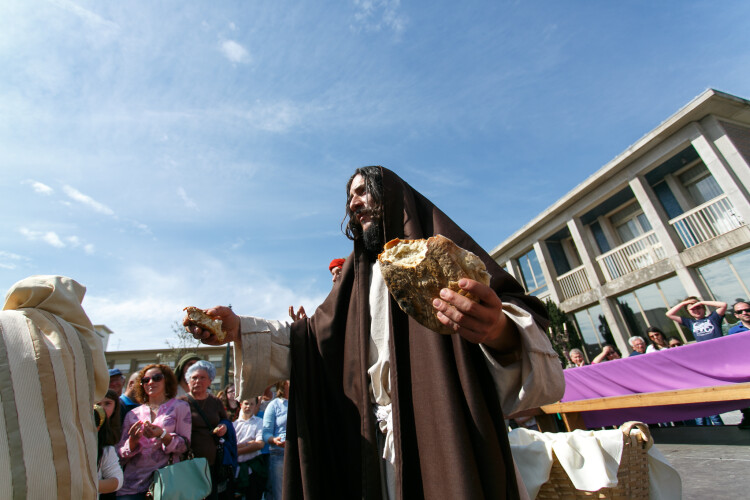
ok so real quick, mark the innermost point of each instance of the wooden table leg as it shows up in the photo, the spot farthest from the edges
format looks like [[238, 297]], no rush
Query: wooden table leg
[[573, 421]]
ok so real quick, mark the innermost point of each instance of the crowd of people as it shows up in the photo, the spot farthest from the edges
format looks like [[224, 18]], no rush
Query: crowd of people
[[146, 424], [703, 325]]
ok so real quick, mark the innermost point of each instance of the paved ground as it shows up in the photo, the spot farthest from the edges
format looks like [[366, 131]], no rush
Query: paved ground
[[714, 462]]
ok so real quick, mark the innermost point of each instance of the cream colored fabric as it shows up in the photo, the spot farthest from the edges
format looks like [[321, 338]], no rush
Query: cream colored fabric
[[590, 458], [52, 370]]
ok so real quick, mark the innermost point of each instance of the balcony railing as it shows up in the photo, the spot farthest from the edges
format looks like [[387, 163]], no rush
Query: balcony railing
[[707, 221], [631, 256], [574, 282]]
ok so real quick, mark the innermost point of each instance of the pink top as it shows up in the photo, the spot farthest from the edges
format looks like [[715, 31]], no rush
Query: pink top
[[150, 454]]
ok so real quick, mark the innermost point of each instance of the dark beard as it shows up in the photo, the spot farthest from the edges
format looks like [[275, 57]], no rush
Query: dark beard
[[372, 238]]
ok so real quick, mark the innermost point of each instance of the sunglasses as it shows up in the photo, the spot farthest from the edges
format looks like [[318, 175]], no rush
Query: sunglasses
[[156, 378], [741, 311]]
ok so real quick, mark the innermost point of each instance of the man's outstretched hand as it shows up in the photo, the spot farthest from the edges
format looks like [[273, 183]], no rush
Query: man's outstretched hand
[[478, 322], [230, 323]]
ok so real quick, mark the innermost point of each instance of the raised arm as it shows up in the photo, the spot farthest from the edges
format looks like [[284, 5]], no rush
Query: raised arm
[[672, 313], [721, 307]]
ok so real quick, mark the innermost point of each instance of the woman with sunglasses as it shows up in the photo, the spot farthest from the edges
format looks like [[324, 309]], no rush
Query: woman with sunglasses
[[160, 427], [741, 311]]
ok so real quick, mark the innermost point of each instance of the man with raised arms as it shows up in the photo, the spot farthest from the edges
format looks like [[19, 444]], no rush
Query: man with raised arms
[[380, 406]]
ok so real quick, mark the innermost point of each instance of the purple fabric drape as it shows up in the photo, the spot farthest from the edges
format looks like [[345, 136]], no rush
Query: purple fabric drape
[[721, 361]]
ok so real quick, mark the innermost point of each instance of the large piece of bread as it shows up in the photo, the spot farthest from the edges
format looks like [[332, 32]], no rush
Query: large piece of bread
[[416, 270], [198, 317]]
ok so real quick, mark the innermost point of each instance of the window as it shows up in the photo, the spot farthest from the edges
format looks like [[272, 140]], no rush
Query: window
[[727, 279], [700, 184], [217, 360], [630, 222], [648, 305], [594, 330], [531, 271]]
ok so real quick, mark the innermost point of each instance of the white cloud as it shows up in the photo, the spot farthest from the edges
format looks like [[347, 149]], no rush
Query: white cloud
[[10, 260], [235, 52], [89, 249], [88, 16], [189, 203], [49, 237], [147, 302], [76, 195], [40, 188], [376, 15]]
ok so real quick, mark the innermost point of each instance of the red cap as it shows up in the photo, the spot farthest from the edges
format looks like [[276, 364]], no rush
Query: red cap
[[335, 263]]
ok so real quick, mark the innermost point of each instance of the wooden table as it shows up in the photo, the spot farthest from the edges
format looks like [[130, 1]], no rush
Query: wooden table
[[571, 412]]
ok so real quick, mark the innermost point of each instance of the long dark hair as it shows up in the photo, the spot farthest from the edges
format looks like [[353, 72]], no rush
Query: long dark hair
[[373, 178], [109, 431]]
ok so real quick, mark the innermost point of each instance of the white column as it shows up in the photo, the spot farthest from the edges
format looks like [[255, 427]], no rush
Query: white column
[[724, 177], [655, 213], [548, 270], [586, 252]]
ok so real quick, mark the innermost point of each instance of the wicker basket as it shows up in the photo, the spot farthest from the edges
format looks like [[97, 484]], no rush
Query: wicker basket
[[632, 476]]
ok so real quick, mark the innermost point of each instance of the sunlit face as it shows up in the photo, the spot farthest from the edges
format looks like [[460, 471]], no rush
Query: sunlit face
[[335, 273], [576, 357], [231, 393], [153, 383], [361, 200], [199, 382], [639, 345], [108, 405]]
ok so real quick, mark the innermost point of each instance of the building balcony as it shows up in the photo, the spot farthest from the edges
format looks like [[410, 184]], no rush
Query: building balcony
[[707, 221], [574, 282], [629, 257]]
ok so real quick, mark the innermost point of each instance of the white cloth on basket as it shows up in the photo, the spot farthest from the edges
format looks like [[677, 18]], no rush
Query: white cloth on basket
[[590, 458]]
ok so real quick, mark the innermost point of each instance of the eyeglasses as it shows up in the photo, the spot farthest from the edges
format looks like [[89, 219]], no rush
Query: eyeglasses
[[157, 377], [741, 311]]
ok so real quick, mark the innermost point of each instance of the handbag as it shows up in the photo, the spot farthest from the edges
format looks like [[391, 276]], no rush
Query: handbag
[[186, 480]]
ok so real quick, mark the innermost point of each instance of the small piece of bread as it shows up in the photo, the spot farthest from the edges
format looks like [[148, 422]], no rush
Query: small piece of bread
[[198, 317], [416, 270]]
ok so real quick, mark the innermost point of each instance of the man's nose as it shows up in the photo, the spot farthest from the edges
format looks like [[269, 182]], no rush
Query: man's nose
[[355, 203]]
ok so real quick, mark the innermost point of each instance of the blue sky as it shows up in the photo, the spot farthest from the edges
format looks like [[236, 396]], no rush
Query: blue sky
[[174, 153]]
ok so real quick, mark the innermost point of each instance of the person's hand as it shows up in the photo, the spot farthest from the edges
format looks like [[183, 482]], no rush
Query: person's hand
[[608, 349], [220, 430], [230, 323], [150, 430], [301, 314], [478, 322], [134, 433], [278, 442]]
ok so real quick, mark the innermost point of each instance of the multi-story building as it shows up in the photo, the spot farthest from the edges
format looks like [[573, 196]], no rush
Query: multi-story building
[[131, 361], [665, 219]]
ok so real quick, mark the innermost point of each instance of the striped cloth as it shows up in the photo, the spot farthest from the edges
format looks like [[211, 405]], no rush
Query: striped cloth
[[52, 370]]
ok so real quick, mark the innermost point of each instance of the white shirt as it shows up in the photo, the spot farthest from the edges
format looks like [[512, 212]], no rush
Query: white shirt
[[247, 431]]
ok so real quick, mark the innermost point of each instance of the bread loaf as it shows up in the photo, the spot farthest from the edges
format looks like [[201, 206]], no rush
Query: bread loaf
[[198, 317], [416, 270]]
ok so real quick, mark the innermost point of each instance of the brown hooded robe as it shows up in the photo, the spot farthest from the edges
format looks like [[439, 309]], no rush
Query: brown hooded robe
[[449, 433]]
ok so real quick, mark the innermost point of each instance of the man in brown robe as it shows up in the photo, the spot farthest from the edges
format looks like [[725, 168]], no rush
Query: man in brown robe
[[409, 413]]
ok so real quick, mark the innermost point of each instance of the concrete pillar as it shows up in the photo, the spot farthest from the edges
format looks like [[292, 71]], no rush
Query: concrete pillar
[[586, 251], [723, 175], [616, 325], [512, 266], [726, 149], [548, 270], [678, 190], [655, 213]]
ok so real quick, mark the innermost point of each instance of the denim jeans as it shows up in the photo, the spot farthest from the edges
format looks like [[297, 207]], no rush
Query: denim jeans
[[276, 473]]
